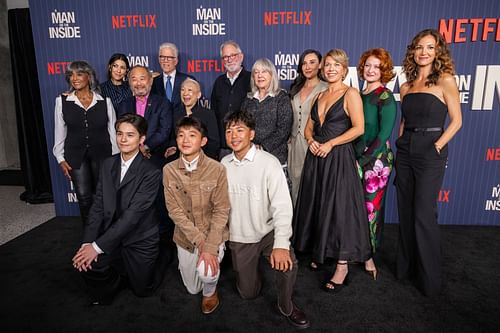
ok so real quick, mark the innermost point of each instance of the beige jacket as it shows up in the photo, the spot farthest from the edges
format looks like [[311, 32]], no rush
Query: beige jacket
[[198, 203]]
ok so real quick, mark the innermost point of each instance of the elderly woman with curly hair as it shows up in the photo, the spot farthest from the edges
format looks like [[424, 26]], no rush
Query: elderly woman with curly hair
[[84, 132], [428, 96], [373, 150]]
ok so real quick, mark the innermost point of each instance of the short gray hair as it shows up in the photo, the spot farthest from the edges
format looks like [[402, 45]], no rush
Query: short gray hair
[[169, 46], [190, 80], [81, 66], [232, 43], [268, 66]]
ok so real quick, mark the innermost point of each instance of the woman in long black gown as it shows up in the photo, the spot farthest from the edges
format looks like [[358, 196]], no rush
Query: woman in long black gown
[[330, 216]]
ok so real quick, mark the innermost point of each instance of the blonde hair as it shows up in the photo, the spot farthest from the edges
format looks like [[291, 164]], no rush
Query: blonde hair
[[267, 66], [338, 55]]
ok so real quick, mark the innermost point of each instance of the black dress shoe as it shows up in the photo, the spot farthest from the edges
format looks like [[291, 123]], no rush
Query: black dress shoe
[[297, 317]]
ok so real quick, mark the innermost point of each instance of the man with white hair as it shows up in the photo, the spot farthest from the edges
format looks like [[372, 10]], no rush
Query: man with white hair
[[168, 84], [229, 89]]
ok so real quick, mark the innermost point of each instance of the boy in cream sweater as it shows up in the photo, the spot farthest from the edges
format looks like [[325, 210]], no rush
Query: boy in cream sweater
[[261, 216]]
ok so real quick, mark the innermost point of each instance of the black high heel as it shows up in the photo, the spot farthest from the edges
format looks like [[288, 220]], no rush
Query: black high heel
[[313, 266], [331, 287]]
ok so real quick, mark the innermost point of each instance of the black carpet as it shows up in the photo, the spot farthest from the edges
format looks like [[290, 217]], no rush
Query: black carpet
[[41, 292]]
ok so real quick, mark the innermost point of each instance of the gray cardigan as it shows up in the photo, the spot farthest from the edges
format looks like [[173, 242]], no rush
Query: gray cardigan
[[273, 123]]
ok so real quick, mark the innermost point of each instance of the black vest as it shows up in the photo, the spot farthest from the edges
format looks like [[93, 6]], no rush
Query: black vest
[[87, 132]]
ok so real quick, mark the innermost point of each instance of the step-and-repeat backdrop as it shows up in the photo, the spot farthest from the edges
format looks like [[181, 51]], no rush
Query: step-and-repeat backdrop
[[92, 30]]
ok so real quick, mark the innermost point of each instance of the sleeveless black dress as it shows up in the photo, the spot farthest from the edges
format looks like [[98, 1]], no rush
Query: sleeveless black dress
[[330, 218]]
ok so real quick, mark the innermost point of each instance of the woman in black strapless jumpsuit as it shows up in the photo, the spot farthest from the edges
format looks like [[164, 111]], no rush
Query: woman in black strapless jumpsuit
[[427, 97]]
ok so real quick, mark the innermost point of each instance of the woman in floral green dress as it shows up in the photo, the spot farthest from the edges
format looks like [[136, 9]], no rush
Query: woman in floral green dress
[[373, 150]]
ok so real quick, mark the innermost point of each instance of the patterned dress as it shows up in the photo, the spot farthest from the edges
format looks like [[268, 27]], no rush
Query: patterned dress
[[375, 157]]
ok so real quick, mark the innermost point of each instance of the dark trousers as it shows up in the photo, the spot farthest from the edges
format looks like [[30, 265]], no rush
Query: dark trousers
[[140, 264], [245, 258], [85, 181], [418, 182]]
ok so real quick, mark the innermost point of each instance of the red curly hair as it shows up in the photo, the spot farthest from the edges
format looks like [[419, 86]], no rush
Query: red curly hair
[[386, 66]]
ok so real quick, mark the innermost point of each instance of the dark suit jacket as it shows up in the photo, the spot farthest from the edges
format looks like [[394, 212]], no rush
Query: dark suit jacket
[[159, 88], [158, 114], [123, 213]]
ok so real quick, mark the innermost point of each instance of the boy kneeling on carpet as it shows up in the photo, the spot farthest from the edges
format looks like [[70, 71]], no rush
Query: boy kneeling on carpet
[[197, 199], [261, 217], [120, 239]]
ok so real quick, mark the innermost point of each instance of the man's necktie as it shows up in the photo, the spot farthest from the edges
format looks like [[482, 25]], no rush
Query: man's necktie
[[168, 88]]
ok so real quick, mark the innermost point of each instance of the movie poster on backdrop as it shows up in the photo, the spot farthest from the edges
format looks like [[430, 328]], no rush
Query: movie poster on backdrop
[[93, 30]]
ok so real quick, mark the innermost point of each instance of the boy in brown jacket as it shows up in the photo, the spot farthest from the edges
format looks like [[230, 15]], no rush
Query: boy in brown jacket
[[197, 199]]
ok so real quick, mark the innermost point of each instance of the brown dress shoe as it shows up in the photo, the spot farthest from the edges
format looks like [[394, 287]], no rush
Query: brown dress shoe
[[297, 317], [210, 303]]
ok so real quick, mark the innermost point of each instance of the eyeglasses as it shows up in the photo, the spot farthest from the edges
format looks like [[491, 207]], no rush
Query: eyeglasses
[[167, 58], [230, 57]]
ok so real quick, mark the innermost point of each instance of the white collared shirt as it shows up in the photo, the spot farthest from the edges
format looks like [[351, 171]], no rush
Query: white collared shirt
[[257, 96], [191, 166], [172, 78], [233, 79], [125, 165], [249, 156], [60, 129]]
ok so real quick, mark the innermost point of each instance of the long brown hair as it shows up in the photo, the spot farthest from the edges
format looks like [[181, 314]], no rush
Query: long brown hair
[[443, 63]]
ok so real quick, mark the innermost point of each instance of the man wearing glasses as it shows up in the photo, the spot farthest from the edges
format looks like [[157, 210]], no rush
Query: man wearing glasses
[[229, 89], [169, 83]]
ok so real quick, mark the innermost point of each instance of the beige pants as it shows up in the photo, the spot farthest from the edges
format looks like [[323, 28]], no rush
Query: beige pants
[[193, 277]]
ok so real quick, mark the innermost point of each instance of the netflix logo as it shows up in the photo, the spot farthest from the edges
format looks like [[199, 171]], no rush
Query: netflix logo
[[463, 30], [493, 154], [444, 196], [288, 18], [205, 65], [147, 21], [57, 67]]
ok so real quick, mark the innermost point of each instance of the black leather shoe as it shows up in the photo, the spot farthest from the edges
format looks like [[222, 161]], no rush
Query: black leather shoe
[[297, 318]]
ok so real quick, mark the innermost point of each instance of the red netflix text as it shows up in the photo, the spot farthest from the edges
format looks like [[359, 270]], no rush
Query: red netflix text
[[493, 154], [147, 21], [444, 196], [280, 18], [57, 67], [205, 65], [463, 30]]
